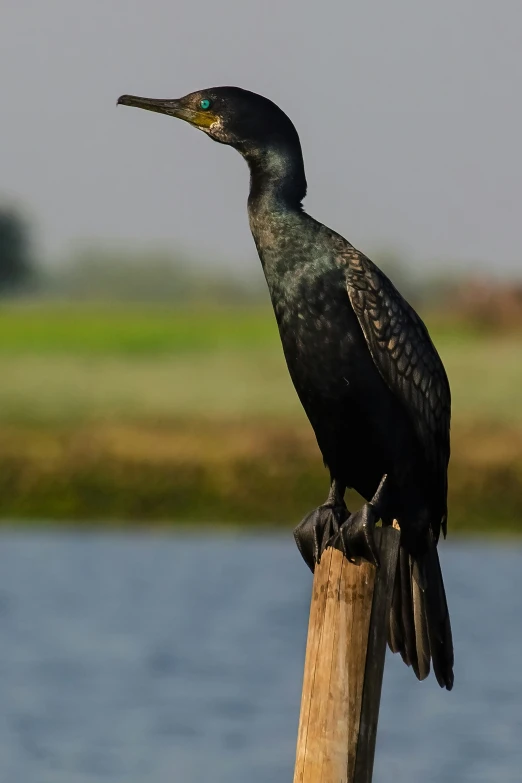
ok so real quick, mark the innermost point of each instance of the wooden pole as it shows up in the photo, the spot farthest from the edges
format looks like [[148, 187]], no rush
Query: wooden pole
[[344, 665]]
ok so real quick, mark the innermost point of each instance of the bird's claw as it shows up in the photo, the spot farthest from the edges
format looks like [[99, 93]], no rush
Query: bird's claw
[[355, 538], [317, 529]]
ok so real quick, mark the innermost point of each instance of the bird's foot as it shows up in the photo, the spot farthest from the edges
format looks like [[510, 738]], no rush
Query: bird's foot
[[317, 529], [355, 538]]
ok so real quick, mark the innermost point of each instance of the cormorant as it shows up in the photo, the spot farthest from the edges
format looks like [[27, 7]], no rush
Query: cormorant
[[364, 367]]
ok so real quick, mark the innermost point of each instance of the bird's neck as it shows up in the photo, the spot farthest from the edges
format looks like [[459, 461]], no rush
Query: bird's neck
[[277, 177], [277, 187]]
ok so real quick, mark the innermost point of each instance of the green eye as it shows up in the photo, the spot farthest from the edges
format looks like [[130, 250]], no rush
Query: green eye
[[205, 103]]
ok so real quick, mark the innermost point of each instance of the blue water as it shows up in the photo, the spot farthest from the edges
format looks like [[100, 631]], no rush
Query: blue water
[[151, 659]]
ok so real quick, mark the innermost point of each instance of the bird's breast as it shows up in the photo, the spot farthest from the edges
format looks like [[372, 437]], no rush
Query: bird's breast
[[319, 333]]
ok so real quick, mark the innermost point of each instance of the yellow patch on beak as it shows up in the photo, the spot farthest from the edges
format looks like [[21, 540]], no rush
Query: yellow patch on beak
[[203, 119]]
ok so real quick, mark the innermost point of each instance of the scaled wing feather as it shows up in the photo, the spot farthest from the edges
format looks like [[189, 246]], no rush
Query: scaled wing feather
[[406, 359]]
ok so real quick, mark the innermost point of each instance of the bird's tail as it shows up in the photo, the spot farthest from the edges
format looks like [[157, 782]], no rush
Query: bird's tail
[[420, 626]]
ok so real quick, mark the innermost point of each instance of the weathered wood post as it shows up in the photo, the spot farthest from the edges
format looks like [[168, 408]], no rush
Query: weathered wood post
[[349, 617]]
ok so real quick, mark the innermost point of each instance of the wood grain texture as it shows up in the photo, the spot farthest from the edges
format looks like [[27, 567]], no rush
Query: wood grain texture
[[336, 662], [376, 654]]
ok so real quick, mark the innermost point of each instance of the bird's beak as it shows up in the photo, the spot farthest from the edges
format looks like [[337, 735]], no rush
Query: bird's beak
[[174, 108]]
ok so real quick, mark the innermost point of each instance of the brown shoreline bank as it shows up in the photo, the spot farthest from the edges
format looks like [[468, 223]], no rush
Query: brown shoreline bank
[[248, 472]]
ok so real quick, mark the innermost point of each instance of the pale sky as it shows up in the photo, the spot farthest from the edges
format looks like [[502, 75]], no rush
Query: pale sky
[[410, 116]]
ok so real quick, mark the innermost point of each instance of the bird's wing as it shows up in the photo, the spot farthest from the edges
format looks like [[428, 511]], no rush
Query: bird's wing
[[406, 358]]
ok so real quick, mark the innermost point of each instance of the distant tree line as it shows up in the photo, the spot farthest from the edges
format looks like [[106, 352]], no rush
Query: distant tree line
[[16, 265]]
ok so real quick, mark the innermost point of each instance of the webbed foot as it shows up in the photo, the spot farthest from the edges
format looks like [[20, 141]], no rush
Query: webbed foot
[[355, 538], [317, 529]]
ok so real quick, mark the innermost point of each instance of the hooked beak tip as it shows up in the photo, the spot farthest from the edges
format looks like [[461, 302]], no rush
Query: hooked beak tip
[[171, 107]]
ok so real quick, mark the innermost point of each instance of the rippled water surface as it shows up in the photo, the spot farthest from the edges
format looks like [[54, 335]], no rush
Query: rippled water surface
[[145, 660]]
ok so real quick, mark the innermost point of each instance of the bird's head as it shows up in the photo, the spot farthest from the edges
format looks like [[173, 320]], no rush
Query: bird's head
[[229, 115]]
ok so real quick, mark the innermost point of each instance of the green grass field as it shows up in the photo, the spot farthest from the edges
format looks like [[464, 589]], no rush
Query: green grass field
[[139, 414], [81, 364], [131, 331]]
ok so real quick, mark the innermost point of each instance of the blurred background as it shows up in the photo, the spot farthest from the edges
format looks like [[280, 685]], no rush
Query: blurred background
[[153, 455]]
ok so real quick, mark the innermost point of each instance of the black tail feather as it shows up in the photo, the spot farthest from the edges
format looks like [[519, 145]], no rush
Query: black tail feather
[[409, 653], [420, 627], [439, 626]]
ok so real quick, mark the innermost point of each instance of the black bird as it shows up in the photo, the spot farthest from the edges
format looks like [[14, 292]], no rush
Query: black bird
[[364, 367]]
